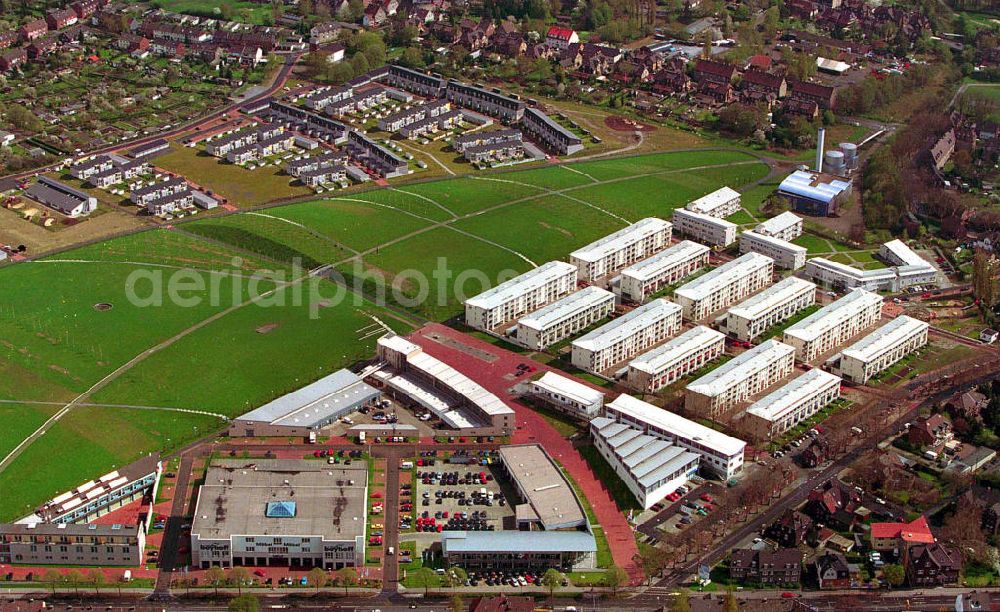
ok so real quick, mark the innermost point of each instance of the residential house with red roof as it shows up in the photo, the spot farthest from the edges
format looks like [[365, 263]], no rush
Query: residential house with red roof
[[929, 431], [33, 29], [58, 19], [13, 58], [8, 39], [834, 503], [895, 537], [824, 96], [714, 72], [791, 530], [559, 37], [85, 8]]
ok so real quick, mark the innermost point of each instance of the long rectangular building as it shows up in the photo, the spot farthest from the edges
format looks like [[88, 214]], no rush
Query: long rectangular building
[[72, 544], [720, 203], [626, 336], [567, 395], [565, 317], [785, 254], [719, 452], [648, 276], [882, 348], [777, 303], [520, 295], [724, 285], [705, 228], [622, 248], [504, 108], [735, 381], [550, 134], [668, 362], [786, 226], [834, 324], [784, 408]]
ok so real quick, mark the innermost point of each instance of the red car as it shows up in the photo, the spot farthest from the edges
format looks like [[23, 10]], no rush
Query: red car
[[789, 595], [707, 497], [673, 497]]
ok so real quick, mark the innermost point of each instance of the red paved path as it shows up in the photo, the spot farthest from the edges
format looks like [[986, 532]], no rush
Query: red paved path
[[498, 377]]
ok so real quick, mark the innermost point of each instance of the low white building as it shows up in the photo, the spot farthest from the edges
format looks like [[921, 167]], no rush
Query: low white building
[[882, 348], [720, 203], [724, 285], [737, 380], [626, 336], [786, 226], [648, 276], [651, 468], [777, 303], [834, 324], [520, 295], [786, 407], [785, 254], [567, 395], [622, 248], [720, 453], [564, 317], [906, 269], [668, 362], [704, 228]]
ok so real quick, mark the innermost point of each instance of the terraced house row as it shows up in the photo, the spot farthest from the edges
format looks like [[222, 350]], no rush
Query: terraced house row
[[724, 285]]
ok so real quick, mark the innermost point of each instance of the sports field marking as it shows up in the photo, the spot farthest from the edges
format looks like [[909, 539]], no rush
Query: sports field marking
[[581, 173], [145, 264], [430, 155], [303, 227], [490, 242], [426, 199], [386, 206]]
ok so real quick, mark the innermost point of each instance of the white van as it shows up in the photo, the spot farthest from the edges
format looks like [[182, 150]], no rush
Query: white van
[[391, 551], [406, 465]]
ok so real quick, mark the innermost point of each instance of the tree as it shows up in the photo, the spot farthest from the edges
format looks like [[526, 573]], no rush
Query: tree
[[215, 576], [96, 578], [412, 57], [244, 603], [615, 578], [552, 580], [730, 604], [241, 576], [75, 577], [20, 117], [347, 577], [455, 576], [457, 604], [53, 577], [984, 285], [894, 574], [682, 602], [424, 577], [318, 578], [119, 581]]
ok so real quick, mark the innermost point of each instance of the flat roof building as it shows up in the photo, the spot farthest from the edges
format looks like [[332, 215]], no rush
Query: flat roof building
[[519, 550], [906, 269], [737, 380], [719, 452], [725, 285], [680, 356], [882, 348], [786, 407], [779, 302], [280, 512], [72, 544], [564, 317], [834, 324], [518, 296], [58, 195], [626, 336], [814, 193], [644, 278], [785, 254], [786, 226], [567, 395], [704, 228], [622, 248], [720, 203]]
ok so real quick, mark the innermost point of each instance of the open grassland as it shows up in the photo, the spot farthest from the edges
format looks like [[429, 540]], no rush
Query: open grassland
[[19, 421], [359, 226], [468, 195]]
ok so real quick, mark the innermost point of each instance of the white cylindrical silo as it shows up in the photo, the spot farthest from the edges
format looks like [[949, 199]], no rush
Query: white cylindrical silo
[[834, 162]]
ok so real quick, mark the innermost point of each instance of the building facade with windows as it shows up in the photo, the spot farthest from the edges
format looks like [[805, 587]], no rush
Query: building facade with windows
[[725, 285], [564, 317], [740, 378], [834, 324], [626, 336], [786, 226], [520, 295], [648, 276], [669, 362], [784, 408], [777, 303], [622, 248], [720, 203], [785, 254], [567, 395], [72, 544], [882, 348], [705, 228]]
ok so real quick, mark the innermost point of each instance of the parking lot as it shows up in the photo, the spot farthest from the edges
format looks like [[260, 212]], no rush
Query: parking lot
[[459, 497]]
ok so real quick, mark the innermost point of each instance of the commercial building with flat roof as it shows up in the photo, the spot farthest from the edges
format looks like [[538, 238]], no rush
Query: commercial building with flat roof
[[725, 285], [310, 408], [720, 203], [814, 193], [650, 467], [777, 303], [786, 407], [626, 336], [882, 348], [280, 512], [719, 452], [567, 395], [785, 254], [520, 295], [906, 269], [648, 276], [541, 485], [705, 228], [519, 550], [668, 362], [786, 226], [565, 317], [834, 324], [737, 380], [622, 248]]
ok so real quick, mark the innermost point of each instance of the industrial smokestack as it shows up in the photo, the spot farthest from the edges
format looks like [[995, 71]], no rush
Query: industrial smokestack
[[820, 137]]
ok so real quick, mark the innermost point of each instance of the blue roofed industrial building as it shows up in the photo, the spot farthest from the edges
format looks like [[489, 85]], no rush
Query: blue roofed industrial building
[[815, 193]]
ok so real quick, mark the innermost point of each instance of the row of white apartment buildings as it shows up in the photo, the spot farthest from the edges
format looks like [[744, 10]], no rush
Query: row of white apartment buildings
[[905, 270], [704, 228], [724, 285], [777, 303], [622, 248], [720, 203], [737, 380], [881, 348], [564, 317], [834, 324], [642, 279], [794, 402], [626, 336], [668, 362], [520, 295], [784, 253]]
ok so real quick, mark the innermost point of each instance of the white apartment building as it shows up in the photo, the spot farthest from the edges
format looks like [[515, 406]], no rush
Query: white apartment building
[[564, 317], [626, 336], [720, 453], [725, 285], [834, 324], [648, 276], [520, 295], [651, 468], [704, 228], [668, 362], [785, 254], [720, 203], [802, 397], [567, 395], [735, 381], [777, 303], [786, 226], [622, 248], [906, 269], [882, 348]]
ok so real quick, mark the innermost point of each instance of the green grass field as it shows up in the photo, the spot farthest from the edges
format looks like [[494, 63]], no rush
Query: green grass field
[[358, 226], [19, 421], [248, 12]]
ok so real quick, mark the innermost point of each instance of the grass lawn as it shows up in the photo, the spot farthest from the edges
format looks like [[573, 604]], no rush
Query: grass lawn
[[753, 198], [814, 244], [248, 12], [775, 331], [386, 199], [20, 420], [468, 195], [741, 217], [553, 177]]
